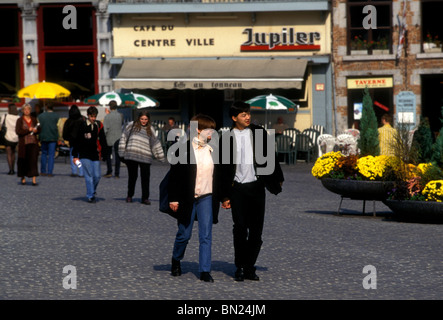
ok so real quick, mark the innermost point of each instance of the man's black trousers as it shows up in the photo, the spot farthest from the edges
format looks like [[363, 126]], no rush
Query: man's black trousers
[[248, 212]]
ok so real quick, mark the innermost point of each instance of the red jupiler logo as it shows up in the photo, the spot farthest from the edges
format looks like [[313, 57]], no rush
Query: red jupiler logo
[[286, 40]]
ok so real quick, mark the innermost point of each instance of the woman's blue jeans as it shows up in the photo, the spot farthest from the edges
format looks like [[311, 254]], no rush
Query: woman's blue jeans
[[92, 172], [202, 208]]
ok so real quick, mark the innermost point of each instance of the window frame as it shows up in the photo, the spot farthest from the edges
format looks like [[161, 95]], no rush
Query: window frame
[[350, 29], [424, 32]]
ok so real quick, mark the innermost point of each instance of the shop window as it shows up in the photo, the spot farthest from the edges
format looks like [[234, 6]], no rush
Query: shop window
[[68, 55], [9, 75], [57, 34], [73, 71], [432, 100], [9, 26], [432, 31], [10, 51], [382, 103], [369, 40]]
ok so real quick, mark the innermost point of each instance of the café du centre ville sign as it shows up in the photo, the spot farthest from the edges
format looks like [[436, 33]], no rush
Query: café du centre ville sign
[[219, 36]]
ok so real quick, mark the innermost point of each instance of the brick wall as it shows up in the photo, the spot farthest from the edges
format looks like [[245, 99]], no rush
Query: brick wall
[[406, 73]]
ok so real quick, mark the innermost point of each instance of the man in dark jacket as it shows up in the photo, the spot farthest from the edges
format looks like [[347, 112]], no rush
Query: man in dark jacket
[[250, 167], [89, 143], [48, 139]]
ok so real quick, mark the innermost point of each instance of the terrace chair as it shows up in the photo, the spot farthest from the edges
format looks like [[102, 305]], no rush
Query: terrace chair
[[325, 143], [283, 145], [304, 145], [313, 134], [292, 132]]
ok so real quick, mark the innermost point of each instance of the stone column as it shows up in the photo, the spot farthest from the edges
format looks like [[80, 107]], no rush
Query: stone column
[[104, 46], [30, 41]]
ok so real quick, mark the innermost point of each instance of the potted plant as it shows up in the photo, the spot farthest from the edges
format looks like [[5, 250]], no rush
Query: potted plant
[[357, 177], [359, 46], [431, 44], [420, 196], [418, 190], [381, 47]]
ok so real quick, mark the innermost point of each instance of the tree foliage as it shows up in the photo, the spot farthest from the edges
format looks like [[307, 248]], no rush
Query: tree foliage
[[423, 141], [437, 148], [368, 142]]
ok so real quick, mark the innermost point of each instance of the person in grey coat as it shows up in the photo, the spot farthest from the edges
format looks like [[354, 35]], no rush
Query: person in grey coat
[[112, 125]]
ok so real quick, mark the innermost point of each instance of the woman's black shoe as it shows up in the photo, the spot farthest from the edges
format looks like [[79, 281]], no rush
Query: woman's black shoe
[[176, 268], [206, 277], [11, 172]]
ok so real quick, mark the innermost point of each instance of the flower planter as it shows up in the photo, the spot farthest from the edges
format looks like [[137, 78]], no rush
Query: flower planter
[[380, 51], [359, 52], [420, 211], [432, 50], [429, 47], [357, 189]]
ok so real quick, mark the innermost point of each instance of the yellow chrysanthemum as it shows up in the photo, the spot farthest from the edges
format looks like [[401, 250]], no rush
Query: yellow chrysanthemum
[[434, 191], [371, 167], [325, 164], [423, 167]]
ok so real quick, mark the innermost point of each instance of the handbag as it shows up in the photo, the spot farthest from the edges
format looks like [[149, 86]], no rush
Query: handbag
[[3, 132], [164, 201]]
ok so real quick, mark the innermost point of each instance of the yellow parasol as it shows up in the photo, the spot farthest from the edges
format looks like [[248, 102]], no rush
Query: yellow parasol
[[43, 90]]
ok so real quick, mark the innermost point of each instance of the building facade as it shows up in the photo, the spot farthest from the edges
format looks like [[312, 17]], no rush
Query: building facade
[[199, 56], [58, 42], [393, 48]]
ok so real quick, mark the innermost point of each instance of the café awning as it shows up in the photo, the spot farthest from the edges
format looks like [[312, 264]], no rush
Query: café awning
[[211, 74]]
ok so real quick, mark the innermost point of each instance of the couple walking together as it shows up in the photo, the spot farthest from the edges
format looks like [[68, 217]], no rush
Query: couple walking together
[[198, 185]]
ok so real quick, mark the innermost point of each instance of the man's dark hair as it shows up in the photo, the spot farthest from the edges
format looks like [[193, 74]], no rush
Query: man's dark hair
[[239, 107], [387, 117], [92, 111], [112, 104]]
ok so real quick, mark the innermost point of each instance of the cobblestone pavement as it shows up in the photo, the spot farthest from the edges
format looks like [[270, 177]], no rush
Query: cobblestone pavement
[[122, 250]]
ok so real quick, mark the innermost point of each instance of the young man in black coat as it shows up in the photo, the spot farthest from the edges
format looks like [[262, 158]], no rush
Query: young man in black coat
[[88, 148], [249, 166]]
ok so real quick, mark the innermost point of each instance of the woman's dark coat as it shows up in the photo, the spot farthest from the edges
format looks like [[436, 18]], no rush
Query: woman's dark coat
[[181, 185]]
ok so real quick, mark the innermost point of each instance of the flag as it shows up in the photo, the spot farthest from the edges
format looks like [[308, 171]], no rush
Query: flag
[[401, 29]]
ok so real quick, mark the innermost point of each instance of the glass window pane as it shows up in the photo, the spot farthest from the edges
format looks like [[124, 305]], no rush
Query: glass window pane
[[58, 27], [9, 26], [9, 75]]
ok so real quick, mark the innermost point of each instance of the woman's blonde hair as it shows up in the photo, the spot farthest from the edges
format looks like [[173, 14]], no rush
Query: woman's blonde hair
[[26, 105]]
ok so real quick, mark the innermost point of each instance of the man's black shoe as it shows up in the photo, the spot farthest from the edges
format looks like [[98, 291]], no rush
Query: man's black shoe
[[239, 275], [206, 277], [175, 268], [251, 275]]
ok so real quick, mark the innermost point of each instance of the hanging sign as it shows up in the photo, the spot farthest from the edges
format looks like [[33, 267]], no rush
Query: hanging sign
[[406, 109]]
